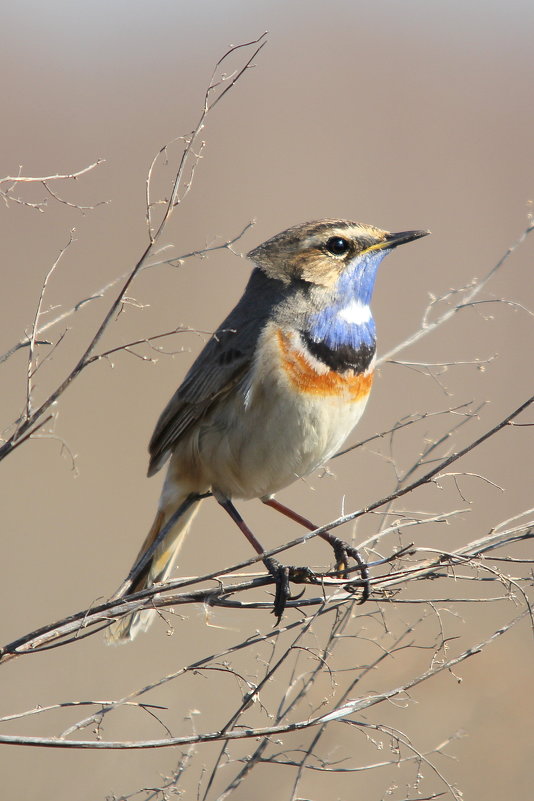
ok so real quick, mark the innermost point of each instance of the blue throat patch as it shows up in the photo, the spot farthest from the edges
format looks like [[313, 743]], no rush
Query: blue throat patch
[[355, 285]]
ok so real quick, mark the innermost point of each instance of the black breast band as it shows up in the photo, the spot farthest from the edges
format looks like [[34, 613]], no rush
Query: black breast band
[[342, 358]]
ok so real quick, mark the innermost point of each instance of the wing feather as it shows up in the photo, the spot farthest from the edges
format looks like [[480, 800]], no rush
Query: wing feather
[[222, 364]]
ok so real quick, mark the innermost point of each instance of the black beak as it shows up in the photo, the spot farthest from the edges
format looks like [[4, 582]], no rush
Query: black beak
[[394, 240]]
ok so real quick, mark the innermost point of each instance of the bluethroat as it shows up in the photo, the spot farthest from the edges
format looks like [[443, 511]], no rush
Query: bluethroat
[[272, 396]]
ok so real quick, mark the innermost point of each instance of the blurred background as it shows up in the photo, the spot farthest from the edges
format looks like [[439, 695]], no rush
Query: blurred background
[[403, 115]]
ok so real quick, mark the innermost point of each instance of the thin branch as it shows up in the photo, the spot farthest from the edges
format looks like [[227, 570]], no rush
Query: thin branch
[[153, 598], [38, 710], [73, 205], [142, 261], [57, 177], [351, 707], [99, 293], [32, 337], [404, 423], [428, 326], [44, 180]]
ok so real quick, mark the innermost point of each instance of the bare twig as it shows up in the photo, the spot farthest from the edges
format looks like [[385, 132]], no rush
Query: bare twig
[[32, 337], [99, 293], [15, 179], [45, 180], [340, 713], [154, 237], [55, 632], [427, 325]]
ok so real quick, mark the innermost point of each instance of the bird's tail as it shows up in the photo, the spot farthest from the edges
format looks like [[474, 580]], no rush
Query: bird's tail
[[161, 562]]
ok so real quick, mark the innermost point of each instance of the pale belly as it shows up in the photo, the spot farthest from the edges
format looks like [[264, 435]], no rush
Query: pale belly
[[291, 416], [253, 446], [284, 440]]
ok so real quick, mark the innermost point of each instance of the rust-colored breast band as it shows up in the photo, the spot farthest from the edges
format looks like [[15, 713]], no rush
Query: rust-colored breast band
[[304, 378]]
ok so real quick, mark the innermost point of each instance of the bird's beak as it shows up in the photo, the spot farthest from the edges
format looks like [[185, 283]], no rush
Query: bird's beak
[[391, 241]]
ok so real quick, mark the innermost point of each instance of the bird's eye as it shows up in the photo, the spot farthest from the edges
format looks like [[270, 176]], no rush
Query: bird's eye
[[337, 246]]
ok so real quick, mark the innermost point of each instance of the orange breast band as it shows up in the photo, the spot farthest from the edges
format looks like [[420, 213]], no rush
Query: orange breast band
[[305, 379]]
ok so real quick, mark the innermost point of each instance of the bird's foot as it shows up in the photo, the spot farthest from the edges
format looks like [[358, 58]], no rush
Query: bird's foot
[[283, 575], [343, 551]]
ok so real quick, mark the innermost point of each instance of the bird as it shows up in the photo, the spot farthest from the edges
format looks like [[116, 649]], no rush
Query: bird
[[272, 396]]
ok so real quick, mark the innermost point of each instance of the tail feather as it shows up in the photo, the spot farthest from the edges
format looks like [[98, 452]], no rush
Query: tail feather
[[157, 570]]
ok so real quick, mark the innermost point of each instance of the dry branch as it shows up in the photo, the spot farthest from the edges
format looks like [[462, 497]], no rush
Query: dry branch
[[151, 598], [217, 89], [340, 713]]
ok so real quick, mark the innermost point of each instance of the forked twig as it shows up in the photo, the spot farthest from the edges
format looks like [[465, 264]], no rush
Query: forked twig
[[31, 419]]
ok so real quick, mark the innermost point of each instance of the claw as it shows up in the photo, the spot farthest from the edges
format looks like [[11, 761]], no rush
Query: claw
[[342, 562], [283, 575], [296, 597], [342, 552]]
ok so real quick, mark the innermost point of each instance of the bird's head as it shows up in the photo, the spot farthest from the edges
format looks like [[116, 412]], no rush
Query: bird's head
[[322, 252], [338, 260]]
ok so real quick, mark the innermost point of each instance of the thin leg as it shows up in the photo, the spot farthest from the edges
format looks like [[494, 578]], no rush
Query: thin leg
[[229, 507], [342, 550], [282, 574]]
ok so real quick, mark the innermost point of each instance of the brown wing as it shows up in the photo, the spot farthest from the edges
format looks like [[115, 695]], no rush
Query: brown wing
[[224, 363], [221, 365]]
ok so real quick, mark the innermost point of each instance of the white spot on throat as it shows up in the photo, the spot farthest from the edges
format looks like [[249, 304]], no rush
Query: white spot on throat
[[355, 313]]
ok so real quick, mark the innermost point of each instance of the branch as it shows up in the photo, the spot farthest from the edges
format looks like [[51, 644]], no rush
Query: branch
[[57, 177], [154, 237], [53, 635], [341, 713], [99, 293], [44, 180], [428, 326]]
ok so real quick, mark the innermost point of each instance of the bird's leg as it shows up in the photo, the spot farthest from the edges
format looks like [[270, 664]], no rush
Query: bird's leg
[[342, 550], [282, 574]]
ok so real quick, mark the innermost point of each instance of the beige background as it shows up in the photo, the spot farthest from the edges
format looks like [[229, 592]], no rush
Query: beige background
[[404, 115]]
